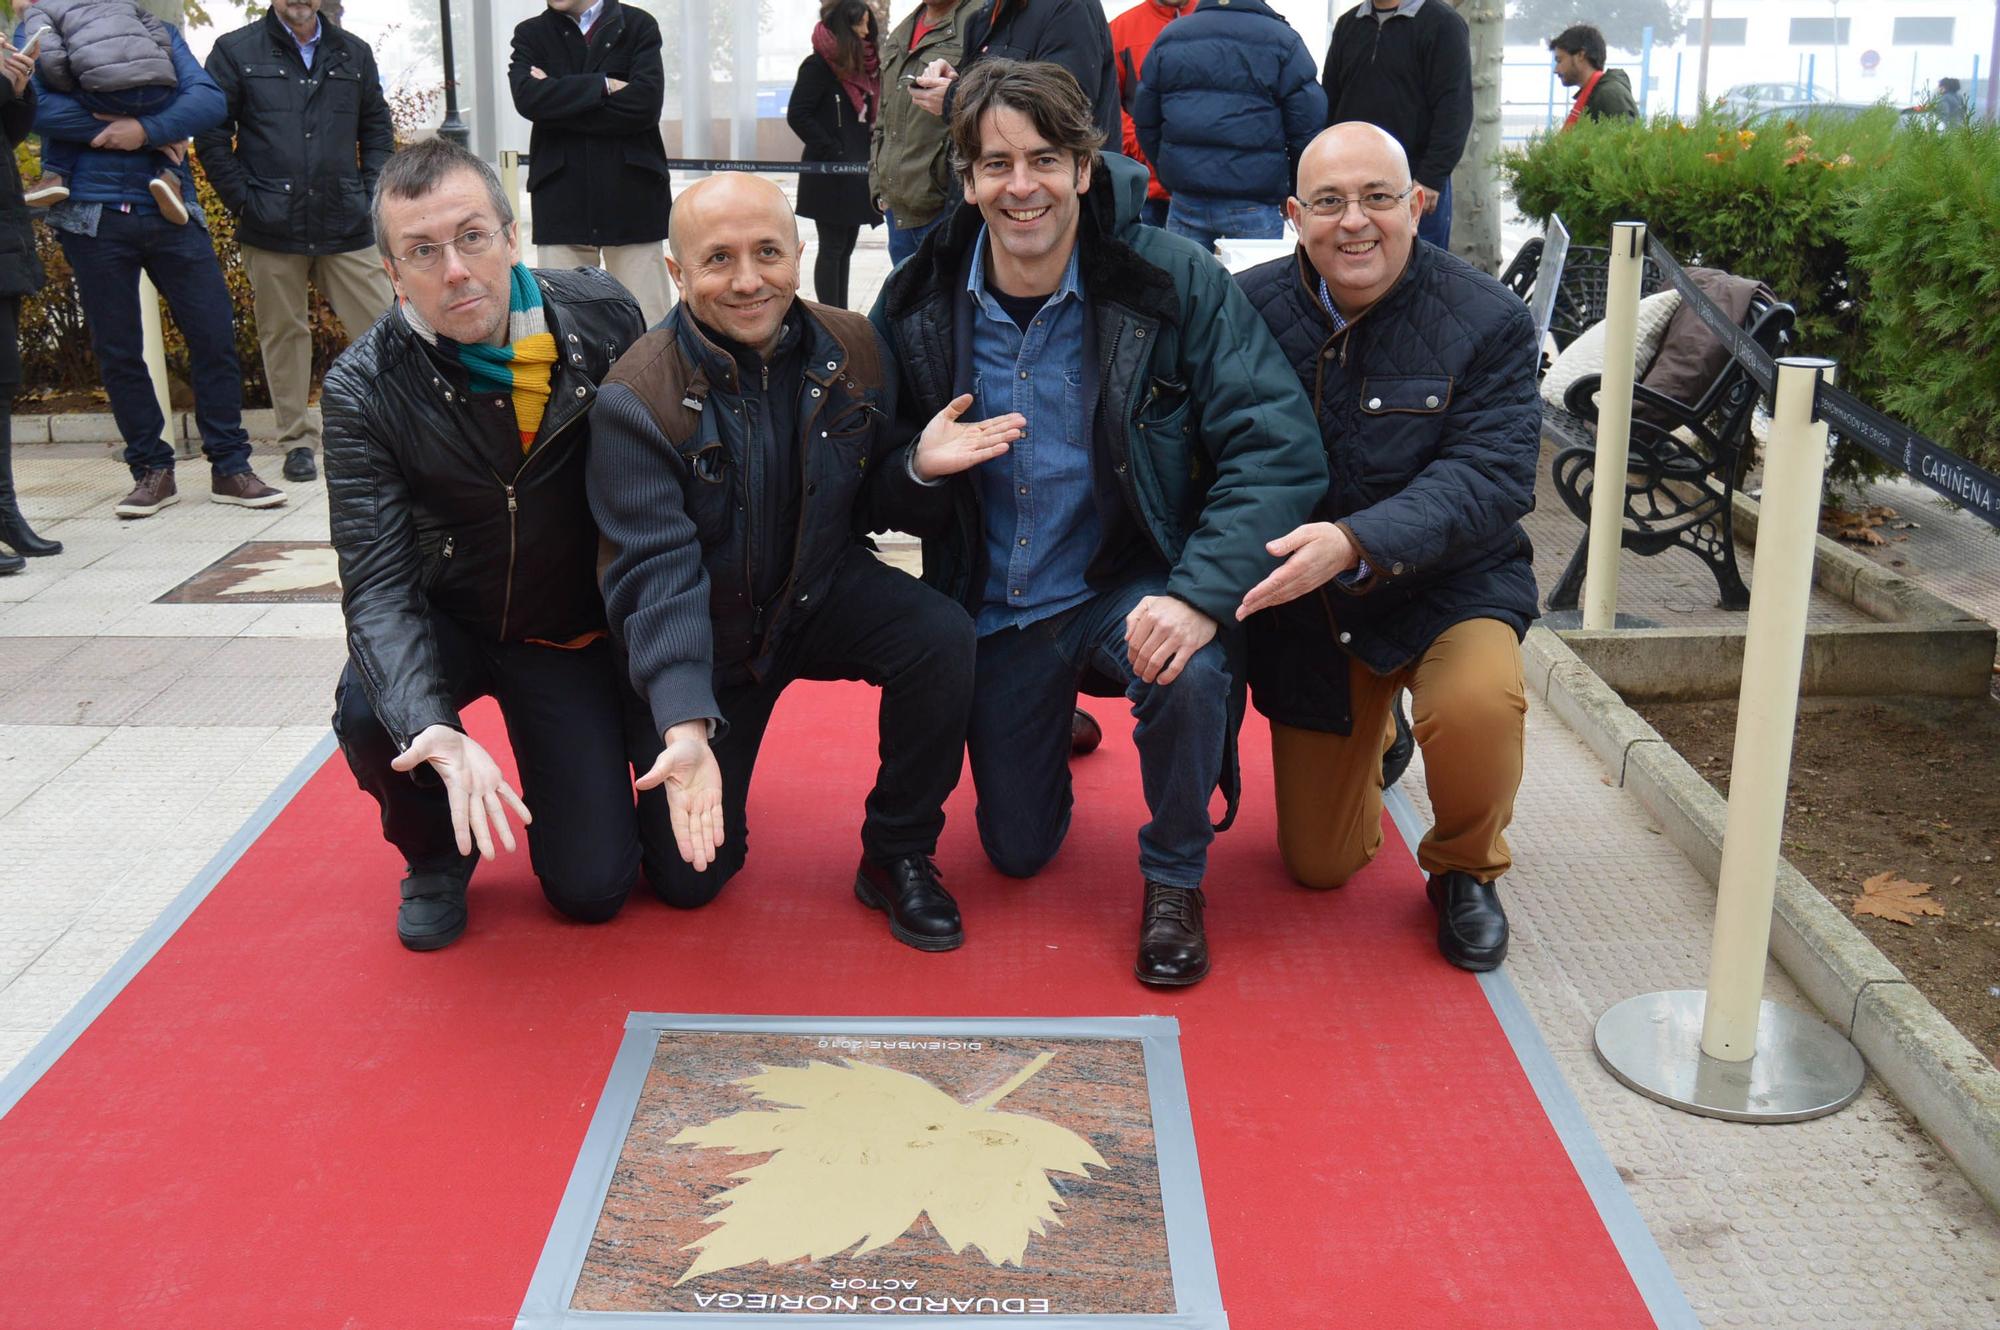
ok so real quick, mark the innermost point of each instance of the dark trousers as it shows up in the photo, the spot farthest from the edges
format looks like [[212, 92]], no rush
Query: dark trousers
[[1020, 736], [183, 266], [886, 628], [10, 383], [836, 249], [569, 716], [1435, 225]]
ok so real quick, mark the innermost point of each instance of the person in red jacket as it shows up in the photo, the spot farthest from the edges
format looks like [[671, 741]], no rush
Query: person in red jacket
[[1132, 34]]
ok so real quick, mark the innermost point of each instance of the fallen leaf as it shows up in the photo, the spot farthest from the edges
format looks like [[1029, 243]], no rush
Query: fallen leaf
[[1890, 897], [858, 1152]]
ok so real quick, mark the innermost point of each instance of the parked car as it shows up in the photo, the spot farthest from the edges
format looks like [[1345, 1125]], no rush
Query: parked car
[[1748, 98], [1783, 113]]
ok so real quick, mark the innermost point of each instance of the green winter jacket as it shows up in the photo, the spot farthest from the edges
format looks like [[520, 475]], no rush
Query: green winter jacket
[[908, 170]]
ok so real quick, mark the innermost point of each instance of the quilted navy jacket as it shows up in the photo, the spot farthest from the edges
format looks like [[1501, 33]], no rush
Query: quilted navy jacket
[[1427, 406], [1228, 101]]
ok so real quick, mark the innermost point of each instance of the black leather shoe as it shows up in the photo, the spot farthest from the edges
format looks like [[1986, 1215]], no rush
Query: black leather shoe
[[299, 464], [1397, 760], [11, 563], [1173, 947], [921, 912], [433, 911], [1084, 733], [1472, 928]]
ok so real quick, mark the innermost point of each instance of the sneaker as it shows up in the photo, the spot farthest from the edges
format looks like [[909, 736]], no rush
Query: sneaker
[[152, 491], [245, 491], [299, 464], [432, 914], [45, 192], [166, 187]]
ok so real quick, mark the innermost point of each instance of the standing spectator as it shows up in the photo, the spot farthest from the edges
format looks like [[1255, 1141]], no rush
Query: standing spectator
[[834, 101], [20, 275], [1228, 103], [907, 172], [1408, 68], [111, 230], [1132, 36], [588, 74], [1070, 33], [1949, 105], [1601, 92], [295, 159]]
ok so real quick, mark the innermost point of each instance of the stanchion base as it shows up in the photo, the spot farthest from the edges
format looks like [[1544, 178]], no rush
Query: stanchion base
[[1803, 1067]]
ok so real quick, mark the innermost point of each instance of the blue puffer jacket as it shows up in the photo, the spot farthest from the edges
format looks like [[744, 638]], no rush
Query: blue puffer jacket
[[1427, 406], [106, 175], [1228, 101]]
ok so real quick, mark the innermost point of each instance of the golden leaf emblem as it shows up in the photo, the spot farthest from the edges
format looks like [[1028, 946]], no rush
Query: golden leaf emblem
[[859, 1152]]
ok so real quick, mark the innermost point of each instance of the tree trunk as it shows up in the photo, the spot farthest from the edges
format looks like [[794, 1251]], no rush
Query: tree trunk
[[1476, 198]]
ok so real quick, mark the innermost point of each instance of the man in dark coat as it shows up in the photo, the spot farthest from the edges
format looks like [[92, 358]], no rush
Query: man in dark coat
[[1601, 93], [1165, 440], [588, 74], [1406, 65], [1416, 572], [20, 276], [1228, 103], [1070, 33], [295, 160]]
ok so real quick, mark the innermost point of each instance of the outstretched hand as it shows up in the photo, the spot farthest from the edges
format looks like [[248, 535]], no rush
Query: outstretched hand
[[686, 767], [949, 445], [479, 794], [1313, 555]]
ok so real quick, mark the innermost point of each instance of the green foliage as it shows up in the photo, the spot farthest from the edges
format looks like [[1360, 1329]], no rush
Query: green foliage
[[1925, 231], [1768, 203]]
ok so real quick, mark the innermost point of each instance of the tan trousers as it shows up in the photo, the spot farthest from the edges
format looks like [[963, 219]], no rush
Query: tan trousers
[[353, 283], [640, 269], [1468, 708]]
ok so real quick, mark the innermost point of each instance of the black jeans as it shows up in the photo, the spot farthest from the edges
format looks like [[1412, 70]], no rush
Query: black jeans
[[884, 627], [569, 717], [836, 247]]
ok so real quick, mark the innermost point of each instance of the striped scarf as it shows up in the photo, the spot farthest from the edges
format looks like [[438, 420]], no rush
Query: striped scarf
[[521, 369]]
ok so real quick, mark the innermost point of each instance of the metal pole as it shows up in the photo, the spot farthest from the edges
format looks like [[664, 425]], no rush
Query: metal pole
[[510, 178], [1677, 82], [1701, 71], [694, 57], [1614, 425], [1646, 72], [1993, 64], [453, 128], [153, 347], [1766, 712], [489, 60], [743, 85]]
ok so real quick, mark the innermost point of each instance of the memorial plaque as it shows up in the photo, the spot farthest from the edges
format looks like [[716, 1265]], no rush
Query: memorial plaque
[[264, 572], [746, 1171]]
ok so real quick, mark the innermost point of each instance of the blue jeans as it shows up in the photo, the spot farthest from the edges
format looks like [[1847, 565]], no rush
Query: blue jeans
[[1207, 220], [1024, 690], [183, 266], [1436, 224], [903, 241]]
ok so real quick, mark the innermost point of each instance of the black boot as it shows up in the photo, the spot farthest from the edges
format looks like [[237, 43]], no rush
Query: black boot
[[14, 530], [1173, 945], [11, 563]]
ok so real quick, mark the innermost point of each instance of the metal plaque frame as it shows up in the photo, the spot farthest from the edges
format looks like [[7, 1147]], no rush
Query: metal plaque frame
[[1190, 1255]]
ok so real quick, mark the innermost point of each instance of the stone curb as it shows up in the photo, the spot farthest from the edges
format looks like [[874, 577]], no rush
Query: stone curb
[[100, 427], [1932, 1069]]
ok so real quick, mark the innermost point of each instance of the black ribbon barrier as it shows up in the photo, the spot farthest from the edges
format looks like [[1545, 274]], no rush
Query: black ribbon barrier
[[1965, 483], [724, 164]]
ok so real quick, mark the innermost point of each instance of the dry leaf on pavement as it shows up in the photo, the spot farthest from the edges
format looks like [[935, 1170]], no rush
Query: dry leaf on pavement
[[1890, 897]]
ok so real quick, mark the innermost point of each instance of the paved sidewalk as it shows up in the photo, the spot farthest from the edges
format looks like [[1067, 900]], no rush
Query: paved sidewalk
[[135, 737]]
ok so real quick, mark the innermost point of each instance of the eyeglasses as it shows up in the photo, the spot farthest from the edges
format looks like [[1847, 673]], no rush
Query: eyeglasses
[[469, 245], [1333, 205]]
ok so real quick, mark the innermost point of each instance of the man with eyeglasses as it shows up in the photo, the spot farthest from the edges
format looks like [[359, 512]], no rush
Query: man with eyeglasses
[[1415, 573], [1164, 433], [456, 431]]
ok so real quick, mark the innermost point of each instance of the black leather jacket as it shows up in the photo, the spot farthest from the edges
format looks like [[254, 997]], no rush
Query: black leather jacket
[[426, 519]]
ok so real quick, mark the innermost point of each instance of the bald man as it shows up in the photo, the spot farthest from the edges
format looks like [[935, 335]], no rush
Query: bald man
[[738, 453], [1415, 572]]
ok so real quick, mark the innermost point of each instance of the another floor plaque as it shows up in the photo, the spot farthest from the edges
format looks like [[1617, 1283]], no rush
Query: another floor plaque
[[745, 1171]]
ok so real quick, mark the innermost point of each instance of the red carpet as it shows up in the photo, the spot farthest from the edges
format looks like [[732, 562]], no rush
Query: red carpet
[[286, 1120]]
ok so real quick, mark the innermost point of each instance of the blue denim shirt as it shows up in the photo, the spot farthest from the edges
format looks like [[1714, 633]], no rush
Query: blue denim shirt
[[1039, 502]]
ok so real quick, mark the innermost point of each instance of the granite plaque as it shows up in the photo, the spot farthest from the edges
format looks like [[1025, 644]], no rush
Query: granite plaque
[[264, 572], [757, 1171]]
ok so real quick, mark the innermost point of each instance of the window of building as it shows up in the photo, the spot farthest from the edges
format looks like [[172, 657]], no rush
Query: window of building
[[1820, 31], [1728, 32], [1923, 32]]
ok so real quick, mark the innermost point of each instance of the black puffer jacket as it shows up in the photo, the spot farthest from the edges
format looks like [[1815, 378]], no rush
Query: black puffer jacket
[[1432, 427], [425, 522], [297, 156], [20, 270], [1070, 33], [832, 131]]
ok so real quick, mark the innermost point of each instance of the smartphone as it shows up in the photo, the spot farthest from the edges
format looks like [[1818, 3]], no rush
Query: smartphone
[[907, 78], [34, 41]]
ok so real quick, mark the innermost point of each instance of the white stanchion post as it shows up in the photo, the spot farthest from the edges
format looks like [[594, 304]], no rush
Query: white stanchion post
[[510, 178], [153, 347], [1726, 1052], [1614, 424], [1767, 712]]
